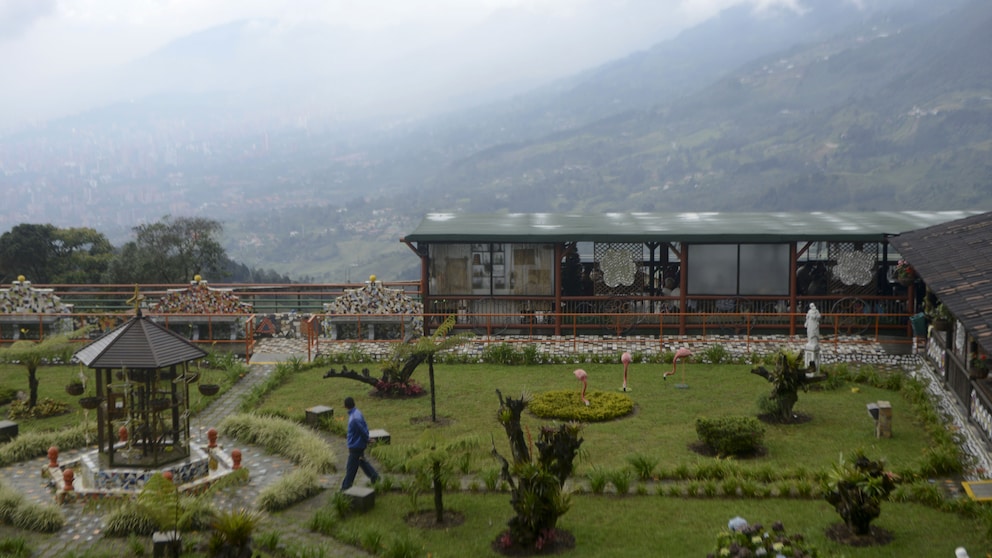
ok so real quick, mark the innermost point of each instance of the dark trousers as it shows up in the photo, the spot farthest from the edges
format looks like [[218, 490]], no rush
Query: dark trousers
[[356, 459]]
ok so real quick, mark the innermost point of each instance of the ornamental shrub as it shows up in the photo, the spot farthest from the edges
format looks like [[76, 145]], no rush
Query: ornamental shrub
[[568, 406], [731, 435]]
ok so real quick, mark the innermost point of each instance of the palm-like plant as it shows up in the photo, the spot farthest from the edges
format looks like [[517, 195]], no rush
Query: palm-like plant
[[787, 379]]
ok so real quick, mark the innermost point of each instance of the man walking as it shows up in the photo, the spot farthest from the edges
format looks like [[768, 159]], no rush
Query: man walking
[[358, 440]]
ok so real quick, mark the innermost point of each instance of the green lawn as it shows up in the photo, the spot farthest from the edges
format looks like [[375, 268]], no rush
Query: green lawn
[[637, 526], [661, 427], [642, 523], [52, 381]]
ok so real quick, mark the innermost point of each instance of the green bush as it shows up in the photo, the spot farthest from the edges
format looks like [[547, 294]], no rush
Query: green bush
[[716, 354], [47, 407], [643, 465], [232, 531], [501, 353], [530, 355], [39, 518], [14, 547], [288, 490], [568, 406], [17, 511], [294, 442], [620, 479], [731, 435], [127, 519]]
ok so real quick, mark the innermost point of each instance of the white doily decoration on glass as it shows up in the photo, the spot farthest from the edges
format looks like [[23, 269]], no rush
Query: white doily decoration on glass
[[855, 268], [618, 268]]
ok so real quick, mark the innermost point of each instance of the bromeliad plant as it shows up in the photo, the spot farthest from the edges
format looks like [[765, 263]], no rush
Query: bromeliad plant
[[856, 488]]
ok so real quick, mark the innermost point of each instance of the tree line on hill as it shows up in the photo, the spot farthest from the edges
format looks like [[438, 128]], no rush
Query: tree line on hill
[[172, 250]]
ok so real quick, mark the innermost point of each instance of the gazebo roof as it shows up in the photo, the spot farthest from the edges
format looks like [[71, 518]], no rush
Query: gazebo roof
[[138, 343], [953, 259]]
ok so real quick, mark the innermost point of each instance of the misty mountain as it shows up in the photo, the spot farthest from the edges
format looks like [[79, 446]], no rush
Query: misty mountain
[[678, 67], [891, 114]]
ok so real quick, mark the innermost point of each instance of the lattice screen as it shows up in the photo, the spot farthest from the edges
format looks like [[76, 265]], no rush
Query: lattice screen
[[854, 267], [617, 263]]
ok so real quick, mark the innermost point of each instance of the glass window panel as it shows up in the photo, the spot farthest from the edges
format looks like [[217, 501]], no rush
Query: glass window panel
[[530, 270], [712, 269], [452, 269], [764, 269]]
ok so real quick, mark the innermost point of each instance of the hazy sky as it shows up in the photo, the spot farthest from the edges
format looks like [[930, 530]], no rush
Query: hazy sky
[[50, 46]]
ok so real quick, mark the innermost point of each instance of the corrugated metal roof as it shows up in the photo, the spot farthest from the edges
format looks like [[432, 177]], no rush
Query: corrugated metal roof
[[674, 227], [138, 343], [955, 261]]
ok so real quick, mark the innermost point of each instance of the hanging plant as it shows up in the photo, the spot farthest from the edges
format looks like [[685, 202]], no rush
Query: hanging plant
[[209, 389], [77, 387], [90, 402]]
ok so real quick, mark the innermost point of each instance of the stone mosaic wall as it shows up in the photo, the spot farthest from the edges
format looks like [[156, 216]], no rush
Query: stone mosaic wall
[[372, 299], [22, 298]]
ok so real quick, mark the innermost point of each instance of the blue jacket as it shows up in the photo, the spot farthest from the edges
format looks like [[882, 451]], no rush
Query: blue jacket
[[358, 430]]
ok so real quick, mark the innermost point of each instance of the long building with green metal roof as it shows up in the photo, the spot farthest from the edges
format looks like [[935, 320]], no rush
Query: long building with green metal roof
[[546, 269]]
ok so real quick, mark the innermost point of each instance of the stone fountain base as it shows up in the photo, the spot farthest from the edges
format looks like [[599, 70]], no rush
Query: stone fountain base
[[93, 480]]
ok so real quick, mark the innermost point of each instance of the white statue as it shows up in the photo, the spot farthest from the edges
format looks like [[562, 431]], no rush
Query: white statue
[[812, 327], [812, 356]]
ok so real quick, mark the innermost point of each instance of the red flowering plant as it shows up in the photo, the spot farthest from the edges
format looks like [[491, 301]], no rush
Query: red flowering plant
[[903, 272], [979, 361], [409, 388]]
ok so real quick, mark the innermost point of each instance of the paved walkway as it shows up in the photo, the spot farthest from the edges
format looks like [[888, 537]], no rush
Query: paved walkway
[[84, 525]]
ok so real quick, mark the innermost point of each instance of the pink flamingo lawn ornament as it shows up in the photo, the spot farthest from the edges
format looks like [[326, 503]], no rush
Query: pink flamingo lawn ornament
[[582, 376], [681, 354], [625, 359]]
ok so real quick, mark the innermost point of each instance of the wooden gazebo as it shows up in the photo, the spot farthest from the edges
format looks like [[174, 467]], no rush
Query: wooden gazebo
[[142, 386]]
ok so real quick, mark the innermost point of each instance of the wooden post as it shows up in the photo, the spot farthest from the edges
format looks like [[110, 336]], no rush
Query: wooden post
[[883, 428]]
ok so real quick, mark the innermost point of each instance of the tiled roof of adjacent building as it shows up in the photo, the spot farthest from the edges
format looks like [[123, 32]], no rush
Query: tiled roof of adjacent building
[[955, 261]]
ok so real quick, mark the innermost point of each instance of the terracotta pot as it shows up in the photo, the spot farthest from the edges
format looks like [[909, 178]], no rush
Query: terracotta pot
[[90, 402], [74, 389], [209, 389], [905, 281]]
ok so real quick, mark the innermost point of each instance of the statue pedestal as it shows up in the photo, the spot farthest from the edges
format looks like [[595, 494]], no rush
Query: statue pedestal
[[811, 358]]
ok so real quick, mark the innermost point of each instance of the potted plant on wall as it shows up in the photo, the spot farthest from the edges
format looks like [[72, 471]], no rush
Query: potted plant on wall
[[904, 273], [978, 365], [940, 317]]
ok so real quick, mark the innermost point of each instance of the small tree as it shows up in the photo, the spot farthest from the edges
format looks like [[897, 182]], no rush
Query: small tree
[[433, 460], [397, 370], [787, 379], [856, 488], [536, 486], [33, 354]]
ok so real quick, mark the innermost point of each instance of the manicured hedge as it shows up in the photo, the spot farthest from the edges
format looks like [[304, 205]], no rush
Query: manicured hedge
[[731, 435]]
